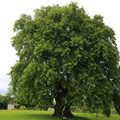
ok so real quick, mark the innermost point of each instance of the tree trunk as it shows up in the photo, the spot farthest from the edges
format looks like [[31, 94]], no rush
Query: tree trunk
[[67, 112], [61, 109], [58, 111], [58, 107]]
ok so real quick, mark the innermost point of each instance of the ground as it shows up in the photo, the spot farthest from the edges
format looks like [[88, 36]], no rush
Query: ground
[[42, 115]]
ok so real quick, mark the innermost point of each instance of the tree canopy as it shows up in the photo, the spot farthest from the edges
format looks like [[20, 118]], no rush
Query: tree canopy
[[66, 55]]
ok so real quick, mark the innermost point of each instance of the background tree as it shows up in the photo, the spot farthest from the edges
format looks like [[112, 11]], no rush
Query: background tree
[[3, 102], [67, 55], [10, 95]]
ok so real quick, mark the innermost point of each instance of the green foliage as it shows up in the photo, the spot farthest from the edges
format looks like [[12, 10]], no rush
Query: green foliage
[[3, 102], [16, 106], [10, 96], [65, 53]]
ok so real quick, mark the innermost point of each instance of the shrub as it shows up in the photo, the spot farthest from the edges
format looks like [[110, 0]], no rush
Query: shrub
[[22, 108]]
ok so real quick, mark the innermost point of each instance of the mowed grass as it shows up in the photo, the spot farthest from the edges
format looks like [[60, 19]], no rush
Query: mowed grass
[[43, 115]]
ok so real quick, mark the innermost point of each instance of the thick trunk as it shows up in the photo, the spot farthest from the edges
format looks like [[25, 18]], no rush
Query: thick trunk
[[58, 107], [67, 112], [62, 110], [58, 111]]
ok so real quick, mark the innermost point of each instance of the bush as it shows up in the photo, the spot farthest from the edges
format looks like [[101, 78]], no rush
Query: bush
[[22, 108], [82, 109], [51, 109], [17, 106]]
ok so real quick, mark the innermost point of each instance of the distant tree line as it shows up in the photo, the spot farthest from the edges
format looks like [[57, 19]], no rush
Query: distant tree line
[[3, 102]]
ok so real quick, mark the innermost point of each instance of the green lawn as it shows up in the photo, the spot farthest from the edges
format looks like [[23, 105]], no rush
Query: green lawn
[[41, 115]]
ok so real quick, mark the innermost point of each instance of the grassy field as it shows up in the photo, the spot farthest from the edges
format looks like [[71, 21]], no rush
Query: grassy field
[[41, 115]]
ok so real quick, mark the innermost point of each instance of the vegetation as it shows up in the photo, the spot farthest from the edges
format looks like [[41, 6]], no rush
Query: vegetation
[[3, 102], [65, 55], [41, 115]]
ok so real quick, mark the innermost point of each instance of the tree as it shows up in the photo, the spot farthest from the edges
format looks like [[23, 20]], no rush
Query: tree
[[10, 96], [3, 102], [65, 55]]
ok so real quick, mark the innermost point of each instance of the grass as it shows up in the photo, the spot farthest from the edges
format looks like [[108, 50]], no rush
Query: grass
[[42, 115]]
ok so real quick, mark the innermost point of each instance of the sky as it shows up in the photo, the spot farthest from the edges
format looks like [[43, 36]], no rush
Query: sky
[[10, 10]]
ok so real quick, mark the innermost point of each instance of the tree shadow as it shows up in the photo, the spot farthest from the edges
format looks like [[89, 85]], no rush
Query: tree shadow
[[42, 117], [79, 118], [50, 117]]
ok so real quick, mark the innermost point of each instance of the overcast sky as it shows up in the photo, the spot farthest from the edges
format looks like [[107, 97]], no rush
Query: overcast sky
[[10, 10]]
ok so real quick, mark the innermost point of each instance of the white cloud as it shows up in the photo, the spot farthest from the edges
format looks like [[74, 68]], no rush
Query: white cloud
[[4, 82], [10, 10]]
